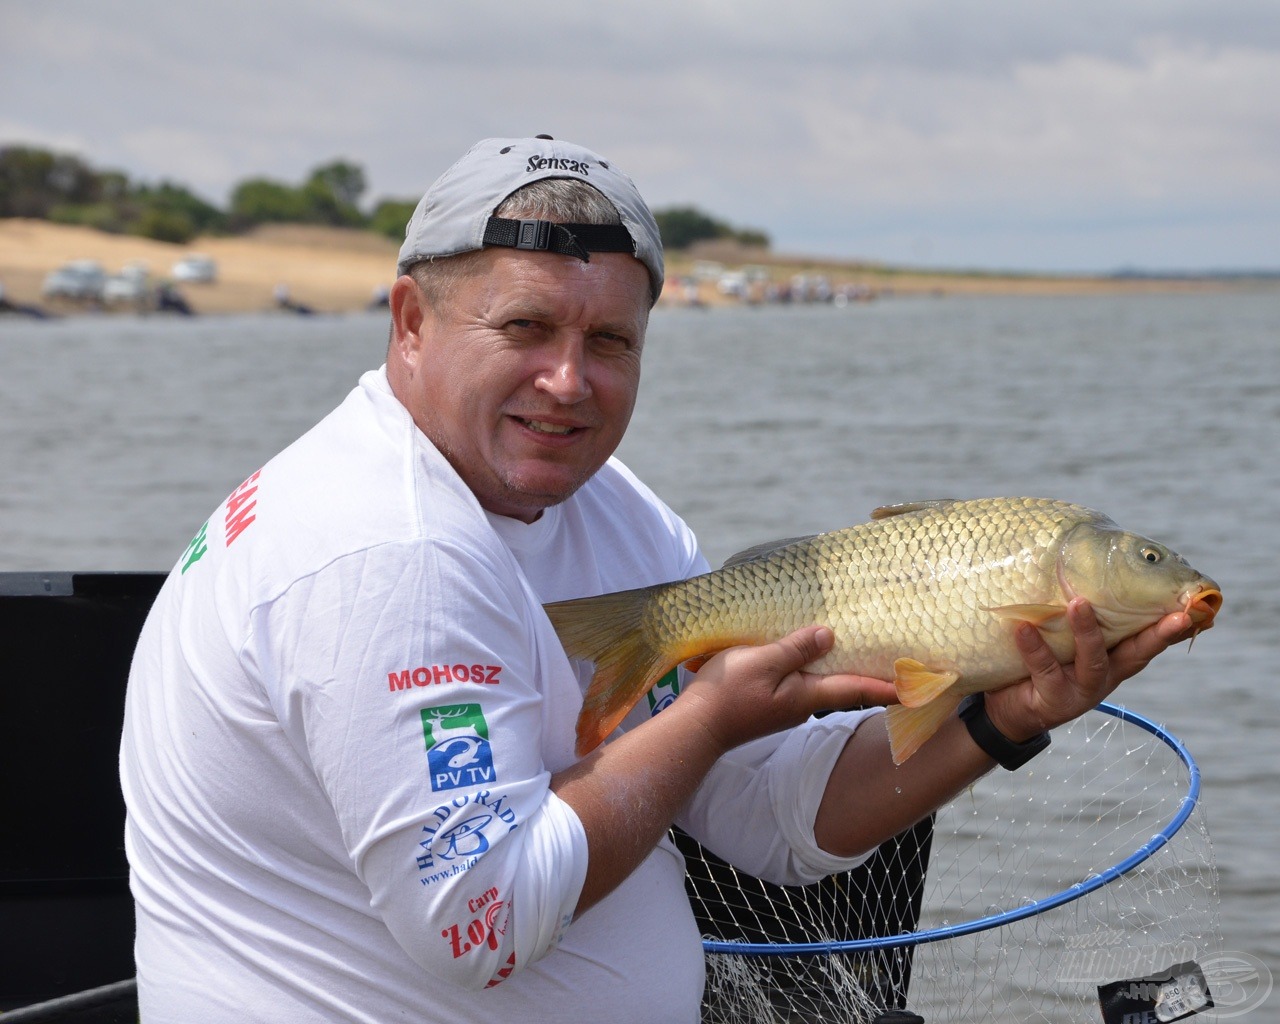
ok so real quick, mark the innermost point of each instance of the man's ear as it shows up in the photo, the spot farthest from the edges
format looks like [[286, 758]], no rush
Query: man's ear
[[408, 311]]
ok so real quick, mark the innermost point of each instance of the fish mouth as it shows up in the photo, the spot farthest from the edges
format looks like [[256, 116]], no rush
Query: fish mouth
[[1203, 605]]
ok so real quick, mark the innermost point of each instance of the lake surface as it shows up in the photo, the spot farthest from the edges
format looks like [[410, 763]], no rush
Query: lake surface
[[120, 436]]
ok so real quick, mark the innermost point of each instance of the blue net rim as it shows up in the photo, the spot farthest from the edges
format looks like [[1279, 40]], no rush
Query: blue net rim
[[1091, 884]]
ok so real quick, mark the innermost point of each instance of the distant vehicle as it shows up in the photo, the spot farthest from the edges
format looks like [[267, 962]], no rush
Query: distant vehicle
[[195, 268], [79, 279], [130, 285], [732, 282]]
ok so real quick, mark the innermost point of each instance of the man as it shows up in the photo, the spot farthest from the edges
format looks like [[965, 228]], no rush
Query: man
[[348, 750]]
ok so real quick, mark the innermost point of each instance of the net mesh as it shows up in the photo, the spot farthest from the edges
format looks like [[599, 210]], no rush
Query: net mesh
[[1029, 842]]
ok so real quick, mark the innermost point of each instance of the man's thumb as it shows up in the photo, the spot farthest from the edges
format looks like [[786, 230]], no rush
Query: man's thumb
[[804, 645]]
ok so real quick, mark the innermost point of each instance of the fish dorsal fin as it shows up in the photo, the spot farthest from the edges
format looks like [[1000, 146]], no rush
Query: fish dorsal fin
[[760, 550], [889, 511]]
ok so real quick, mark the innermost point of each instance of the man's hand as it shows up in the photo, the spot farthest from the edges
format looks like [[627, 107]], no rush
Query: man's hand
[[1055, 693], [747, 692]]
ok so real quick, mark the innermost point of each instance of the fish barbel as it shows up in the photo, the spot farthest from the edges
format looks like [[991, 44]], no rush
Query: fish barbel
[[927, 594]]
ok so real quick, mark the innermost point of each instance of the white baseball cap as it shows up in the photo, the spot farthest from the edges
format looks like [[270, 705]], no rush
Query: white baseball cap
[[456, 214]]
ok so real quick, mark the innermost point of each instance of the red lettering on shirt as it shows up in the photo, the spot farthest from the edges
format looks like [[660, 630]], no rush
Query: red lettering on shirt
[[504, 973], [240, 508], [479, 931], [484, 899], [436, 675]]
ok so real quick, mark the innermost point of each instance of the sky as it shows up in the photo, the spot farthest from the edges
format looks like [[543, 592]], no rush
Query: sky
[[1035, 135]]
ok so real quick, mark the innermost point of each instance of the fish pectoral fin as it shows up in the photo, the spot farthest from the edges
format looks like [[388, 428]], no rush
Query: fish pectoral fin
[[698, 660], [918, 684], [1040, 615], [909, 728]]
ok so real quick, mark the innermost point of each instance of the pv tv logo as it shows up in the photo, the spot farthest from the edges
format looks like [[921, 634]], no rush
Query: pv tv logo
[[458, 751]]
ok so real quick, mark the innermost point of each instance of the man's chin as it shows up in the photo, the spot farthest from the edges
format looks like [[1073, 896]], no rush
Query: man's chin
[[526, 497]]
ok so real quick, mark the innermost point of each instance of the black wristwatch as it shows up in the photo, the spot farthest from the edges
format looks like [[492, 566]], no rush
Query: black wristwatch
[[994, 743]]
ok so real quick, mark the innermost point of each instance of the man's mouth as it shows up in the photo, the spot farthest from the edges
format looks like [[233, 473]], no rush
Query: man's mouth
[[543, 427]]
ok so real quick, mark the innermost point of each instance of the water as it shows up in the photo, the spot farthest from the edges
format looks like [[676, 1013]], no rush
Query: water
[[121, 435]]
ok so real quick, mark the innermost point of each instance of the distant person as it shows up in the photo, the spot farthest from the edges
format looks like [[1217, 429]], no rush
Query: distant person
[[170, 300], [348, 753], [284, 301], [381, 298]]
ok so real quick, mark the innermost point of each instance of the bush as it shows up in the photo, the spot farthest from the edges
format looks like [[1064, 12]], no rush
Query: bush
[[164, 226], [100, 216], [390, 217], [34, 181], [681, 226]]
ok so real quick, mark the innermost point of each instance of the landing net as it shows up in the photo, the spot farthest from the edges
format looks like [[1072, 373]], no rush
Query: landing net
[[1090, 865]]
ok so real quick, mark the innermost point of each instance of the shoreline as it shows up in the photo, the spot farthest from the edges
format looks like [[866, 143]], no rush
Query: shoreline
[[337, 270]]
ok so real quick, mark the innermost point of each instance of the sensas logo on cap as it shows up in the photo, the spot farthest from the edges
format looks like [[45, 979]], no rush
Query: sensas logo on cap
[[554, 163]]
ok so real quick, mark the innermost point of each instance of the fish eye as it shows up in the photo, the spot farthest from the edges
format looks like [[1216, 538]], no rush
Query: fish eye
[[1151, 554]]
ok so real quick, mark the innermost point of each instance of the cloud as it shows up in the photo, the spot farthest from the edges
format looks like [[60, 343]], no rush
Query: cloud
[[807, 119]]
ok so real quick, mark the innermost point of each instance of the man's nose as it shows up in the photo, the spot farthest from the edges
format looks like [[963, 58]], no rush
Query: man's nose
[[565, 375]]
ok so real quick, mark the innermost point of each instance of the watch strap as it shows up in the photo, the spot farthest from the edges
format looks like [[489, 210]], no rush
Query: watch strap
[[994, 743]]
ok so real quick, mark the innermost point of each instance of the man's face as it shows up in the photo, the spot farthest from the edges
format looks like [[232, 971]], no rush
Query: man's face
[[525, 375]]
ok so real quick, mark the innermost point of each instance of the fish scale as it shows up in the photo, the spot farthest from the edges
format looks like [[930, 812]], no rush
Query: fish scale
[[927, 594]]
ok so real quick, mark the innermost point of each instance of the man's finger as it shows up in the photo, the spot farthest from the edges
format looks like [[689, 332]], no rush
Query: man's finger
[[1036, 654], [1092, 665], [803, 646], [1133, 655], [852, 691]]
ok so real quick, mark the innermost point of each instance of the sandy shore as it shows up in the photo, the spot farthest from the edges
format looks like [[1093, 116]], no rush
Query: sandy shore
[[328, 269], [337, 270]]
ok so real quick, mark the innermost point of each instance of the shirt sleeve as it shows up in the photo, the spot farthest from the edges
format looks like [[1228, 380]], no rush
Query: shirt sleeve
[[407, 678], [758, 804]]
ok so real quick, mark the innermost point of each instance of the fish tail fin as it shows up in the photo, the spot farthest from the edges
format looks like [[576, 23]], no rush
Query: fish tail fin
[[609, 631], [909, 728]]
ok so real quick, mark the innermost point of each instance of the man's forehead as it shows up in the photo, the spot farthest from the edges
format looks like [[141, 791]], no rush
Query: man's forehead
[[615, 282]]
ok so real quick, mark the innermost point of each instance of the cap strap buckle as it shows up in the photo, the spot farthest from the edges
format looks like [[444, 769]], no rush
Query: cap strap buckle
[[578, 240], [533, 234]]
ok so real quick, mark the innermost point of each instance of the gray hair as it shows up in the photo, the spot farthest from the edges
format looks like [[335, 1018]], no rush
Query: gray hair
[[563, 200]]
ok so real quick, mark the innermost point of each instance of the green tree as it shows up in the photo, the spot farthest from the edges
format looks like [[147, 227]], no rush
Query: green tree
[[163, 225], [331, 192], [178, 203], [33, 181], [390, 216], [681, 226], [263, 201], [345, 181], [753, 238]]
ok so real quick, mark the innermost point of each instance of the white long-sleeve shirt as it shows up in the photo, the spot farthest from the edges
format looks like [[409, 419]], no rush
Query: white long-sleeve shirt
[[342, 720]]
